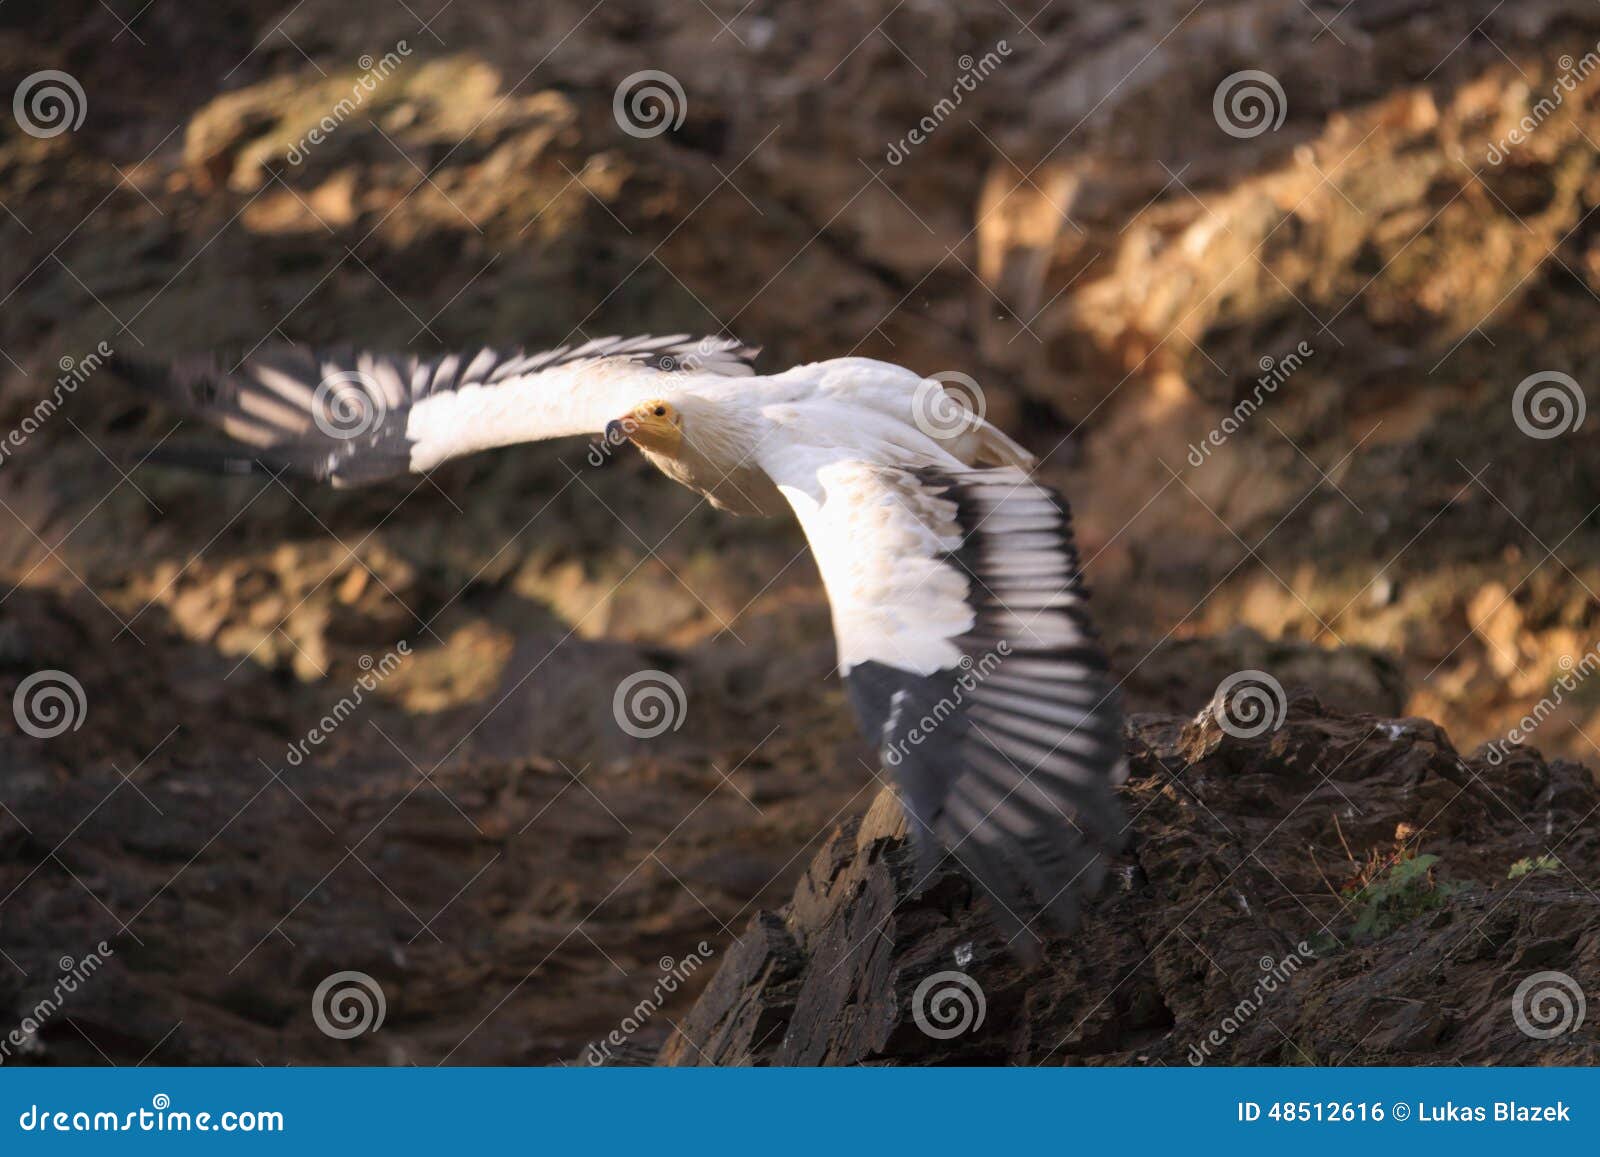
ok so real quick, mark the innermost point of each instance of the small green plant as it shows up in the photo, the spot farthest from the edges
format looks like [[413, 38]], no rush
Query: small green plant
[[1527, 866], [1398, 894]]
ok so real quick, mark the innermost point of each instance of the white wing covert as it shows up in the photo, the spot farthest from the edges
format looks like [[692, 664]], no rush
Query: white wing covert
[[352, 417], [967, 652]]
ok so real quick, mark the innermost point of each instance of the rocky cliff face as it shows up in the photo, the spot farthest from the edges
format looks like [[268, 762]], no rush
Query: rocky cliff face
[[1268, 334], [1239, 929]]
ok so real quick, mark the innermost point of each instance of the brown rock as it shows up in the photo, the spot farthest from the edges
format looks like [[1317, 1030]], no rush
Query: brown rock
[[1221, 922]]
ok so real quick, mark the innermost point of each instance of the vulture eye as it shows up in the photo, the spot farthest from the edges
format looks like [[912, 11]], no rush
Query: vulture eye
[[661, 411]]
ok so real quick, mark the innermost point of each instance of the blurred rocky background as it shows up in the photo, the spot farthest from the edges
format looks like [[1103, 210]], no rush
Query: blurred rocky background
[[1368, 224]]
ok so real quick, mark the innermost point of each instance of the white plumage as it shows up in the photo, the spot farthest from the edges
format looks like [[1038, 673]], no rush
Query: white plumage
[[957, 602]]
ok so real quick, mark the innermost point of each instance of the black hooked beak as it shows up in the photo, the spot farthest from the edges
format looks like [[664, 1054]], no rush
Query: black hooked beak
[[616, 432]]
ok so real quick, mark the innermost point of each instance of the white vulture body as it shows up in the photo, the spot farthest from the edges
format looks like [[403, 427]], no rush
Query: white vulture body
[[958, 606]]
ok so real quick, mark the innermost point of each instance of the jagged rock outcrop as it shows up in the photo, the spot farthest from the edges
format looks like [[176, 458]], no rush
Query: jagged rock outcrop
[[1224, 937]]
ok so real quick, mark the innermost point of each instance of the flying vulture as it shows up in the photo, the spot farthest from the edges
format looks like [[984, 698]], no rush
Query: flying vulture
[[957, 598]]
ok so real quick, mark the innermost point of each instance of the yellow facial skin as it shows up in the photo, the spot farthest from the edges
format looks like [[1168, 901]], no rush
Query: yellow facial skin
[[655, 426]]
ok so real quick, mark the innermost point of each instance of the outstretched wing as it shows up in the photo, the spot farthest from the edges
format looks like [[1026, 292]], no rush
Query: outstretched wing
[[351, 417], [958, 607]]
